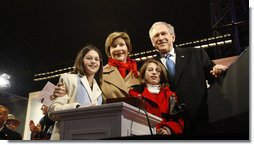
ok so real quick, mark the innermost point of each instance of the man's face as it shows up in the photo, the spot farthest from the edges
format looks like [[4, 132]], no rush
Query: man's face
[[3, 116], [162, 39], [11, 125]]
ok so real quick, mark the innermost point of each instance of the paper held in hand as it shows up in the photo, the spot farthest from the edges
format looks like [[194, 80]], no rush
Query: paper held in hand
[[47, 91]]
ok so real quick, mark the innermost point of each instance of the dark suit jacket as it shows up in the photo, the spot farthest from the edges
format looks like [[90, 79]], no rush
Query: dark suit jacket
[[192, 70], [8, 134]]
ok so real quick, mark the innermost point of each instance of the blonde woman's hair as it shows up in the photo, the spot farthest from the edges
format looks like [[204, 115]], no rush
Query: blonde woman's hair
[[113, 36]]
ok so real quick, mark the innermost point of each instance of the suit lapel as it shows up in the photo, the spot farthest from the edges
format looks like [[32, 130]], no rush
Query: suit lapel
[[96, 92], [181, 59], [85, 83]]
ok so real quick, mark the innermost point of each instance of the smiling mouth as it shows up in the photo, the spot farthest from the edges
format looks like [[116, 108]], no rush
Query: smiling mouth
[[93, 67], [163, 43], [118, 54]]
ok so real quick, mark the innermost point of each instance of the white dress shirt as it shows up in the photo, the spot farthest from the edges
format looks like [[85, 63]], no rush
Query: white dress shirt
[[173, 57]]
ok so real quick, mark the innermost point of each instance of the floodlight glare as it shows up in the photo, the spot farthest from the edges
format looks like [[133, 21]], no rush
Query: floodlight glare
[[4, 81]]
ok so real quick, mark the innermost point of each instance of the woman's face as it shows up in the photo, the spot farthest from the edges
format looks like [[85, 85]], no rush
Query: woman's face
[[152, 74], [91, 62], [119, 50]]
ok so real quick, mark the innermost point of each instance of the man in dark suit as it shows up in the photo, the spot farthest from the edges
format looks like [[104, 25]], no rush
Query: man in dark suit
[[5, 132], [192, 70]]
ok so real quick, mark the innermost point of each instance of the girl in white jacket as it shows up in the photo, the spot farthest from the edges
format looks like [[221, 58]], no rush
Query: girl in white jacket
[[82, 85]]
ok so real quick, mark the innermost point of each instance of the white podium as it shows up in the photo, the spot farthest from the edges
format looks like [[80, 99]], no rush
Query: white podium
[[106, 121]]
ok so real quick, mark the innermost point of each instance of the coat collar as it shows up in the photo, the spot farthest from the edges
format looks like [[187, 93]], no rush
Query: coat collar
[[152, 97], [93, 94], [121, 83]]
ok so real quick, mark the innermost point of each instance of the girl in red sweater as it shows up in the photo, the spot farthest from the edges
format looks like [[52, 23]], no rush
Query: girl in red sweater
[[159, 99]]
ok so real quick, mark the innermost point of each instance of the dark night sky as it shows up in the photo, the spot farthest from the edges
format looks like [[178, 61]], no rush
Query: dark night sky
[[39, 35]]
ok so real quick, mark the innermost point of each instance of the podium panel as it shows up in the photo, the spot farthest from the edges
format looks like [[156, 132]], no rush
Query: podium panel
[[106, 121], [229, 100], [231, 97]]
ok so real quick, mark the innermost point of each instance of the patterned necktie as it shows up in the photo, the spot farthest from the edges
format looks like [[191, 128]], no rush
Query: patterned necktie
[[170, 65]]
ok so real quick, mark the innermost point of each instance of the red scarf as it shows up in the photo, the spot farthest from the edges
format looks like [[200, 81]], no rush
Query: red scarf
[[122, 67]]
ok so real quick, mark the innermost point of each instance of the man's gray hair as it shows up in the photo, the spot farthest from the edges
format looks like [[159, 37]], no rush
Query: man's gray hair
[[170, 28]]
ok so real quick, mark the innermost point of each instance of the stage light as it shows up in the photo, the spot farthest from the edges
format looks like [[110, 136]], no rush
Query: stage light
[[4, 81]]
